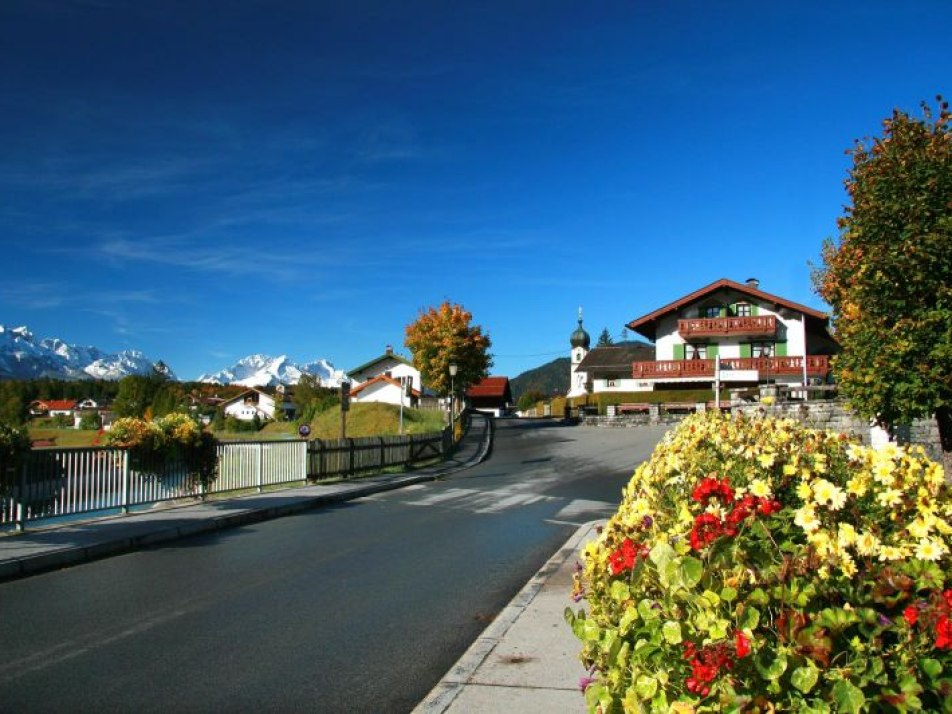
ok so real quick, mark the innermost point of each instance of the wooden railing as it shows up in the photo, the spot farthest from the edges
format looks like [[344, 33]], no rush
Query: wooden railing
[[817, 366], [765, 325]]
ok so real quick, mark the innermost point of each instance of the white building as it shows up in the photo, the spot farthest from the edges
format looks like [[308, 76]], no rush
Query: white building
[[254, 402], [379, 380], [580, 342], [759, 337]]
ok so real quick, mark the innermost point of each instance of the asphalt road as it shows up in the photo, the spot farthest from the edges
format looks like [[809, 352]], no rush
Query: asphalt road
[[356, 608]]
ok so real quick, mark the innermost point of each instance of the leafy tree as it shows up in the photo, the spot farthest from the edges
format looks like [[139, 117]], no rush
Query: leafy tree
[[888, 277], [530, 399], [310, 398], [605, 339], [442, 336], [136, 394]]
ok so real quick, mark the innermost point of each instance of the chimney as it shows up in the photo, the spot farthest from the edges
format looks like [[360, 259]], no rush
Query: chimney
[[753, 282], [389, 349]]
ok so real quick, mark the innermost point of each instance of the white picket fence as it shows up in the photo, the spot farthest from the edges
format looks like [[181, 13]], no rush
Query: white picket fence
[[57, 483]]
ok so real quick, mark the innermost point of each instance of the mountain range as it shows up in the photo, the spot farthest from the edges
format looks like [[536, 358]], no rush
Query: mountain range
[[264, 371], [22, 356]]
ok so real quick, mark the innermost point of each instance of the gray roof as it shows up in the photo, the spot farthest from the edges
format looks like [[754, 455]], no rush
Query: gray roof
[[616, 359]]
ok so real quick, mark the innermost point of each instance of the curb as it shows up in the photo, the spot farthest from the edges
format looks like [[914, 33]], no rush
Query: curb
[[44, 562], [451, 685]]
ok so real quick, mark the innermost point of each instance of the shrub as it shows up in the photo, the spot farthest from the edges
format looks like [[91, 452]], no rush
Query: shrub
[[14, 447], [757, 565], [169, 442]]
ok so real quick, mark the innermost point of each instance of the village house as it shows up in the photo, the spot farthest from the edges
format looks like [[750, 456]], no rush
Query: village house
[[490, 395], [751, 335], [380, 380], [255, 402], [52, 407], [728, 331]]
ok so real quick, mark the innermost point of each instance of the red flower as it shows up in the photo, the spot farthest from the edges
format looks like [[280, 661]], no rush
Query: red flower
[[707, 528], [911, 615], [943, 631], [712, 488], [741, 644], [947, 596], [624, 557]]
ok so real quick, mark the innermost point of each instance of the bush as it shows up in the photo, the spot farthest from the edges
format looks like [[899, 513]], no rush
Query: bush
[[14, 447], [756, 565], [168, 442]]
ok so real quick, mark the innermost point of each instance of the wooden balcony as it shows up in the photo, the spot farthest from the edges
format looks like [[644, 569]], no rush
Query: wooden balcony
[[765, 326], [817, 366]]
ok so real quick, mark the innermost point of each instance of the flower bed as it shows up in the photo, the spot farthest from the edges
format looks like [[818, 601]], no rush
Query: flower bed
[[755, 565]]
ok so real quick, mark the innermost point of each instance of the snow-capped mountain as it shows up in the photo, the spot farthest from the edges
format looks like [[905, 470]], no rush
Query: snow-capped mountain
[[23, 357], [265, 371]]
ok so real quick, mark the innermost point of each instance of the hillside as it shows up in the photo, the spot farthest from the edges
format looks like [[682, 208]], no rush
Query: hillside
[[550, 378]]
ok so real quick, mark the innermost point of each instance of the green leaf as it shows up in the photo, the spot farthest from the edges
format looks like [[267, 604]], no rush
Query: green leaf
[[646, 686], [804, 678], [770, 666], [728, 594], [750, 619], [836, 618], [672, 632], [647, 610], [849, 698], [690, 570], [620, 591], [758, 597], [931, 667], [590, 631]]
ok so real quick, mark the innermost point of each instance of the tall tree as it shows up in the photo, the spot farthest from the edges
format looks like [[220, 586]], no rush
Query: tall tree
[[888, 277], [605, 339], [442, 336]]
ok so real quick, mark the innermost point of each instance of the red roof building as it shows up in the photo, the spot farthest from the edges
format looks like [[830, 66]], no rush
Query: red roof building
[[491, 394]]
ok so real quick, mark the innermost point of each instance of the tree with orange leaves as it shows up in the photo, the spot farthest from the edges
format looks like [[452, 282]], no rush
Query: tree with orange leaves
[[442, 336], [889, 278]]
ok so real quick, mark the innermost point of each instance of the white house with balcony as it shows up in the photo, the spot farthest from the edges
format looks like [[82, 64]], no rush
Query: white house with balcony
[[754, 336]]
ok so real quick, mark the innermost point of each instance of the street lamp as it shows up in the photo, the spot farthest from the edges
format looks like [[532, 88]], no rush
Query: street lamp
[[453, 370]]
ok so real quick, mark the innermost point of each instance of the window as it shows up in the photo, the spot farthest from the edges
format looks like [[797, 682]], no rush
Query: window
[[711, 311], [762, 349], [609, 382], [742, 309], [695, 352]]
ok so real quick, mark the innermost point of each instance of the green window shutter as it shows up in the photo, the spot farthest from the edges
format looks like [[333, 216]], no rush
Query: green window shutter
[[781, 349], [754, 310], [679, 351], [745, 350], [711, 351], [724, 311]]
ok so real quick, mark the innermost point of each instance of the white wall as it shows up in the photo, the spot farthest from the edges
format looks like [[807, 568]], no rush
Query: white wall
[[395, 367], [382, 392]]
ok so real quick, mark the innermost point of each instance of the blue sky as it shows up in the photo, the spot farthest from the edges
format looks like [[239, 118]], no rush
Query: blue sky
[[205, 180]]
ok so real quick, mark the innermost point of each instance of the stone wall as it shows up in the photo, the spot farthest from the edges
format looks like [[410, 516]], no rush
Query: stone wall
[[831, 415]]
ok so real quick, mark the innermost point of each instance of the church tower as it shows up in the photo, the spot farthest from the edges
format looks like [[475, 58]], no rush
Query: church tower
[[580, 342]]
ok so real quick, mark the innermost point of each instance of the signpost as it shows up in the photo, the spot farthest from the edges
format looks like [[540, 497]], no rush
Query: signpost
[[344, 407], [304, 431]]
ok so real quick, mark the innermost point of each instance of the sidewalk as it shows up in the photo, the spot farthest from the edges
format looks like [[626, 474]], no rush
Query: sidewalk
[[42, 548], [527, 660]]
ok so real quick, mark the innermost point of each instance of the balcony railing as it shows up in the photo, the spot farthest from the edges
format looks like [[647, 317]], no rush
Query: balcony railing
[[817, 366], [763, 326]]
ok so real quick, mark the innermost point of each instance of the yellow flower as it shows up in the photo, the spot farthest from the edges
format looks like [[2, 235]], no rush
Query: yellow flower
[[929, 549], [789, 469], [889, 498], [805, 517], [858, 485], [889, 552], [855, 452], [920, 527], [847, 565], [846, 535], [767, 459], [760, 488], [804, 491], [829, 494], [867, 544]]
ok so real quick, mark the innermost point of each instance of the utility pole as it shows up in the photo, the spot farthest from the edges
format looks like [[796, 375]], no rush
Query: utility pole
[[344, 407]]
